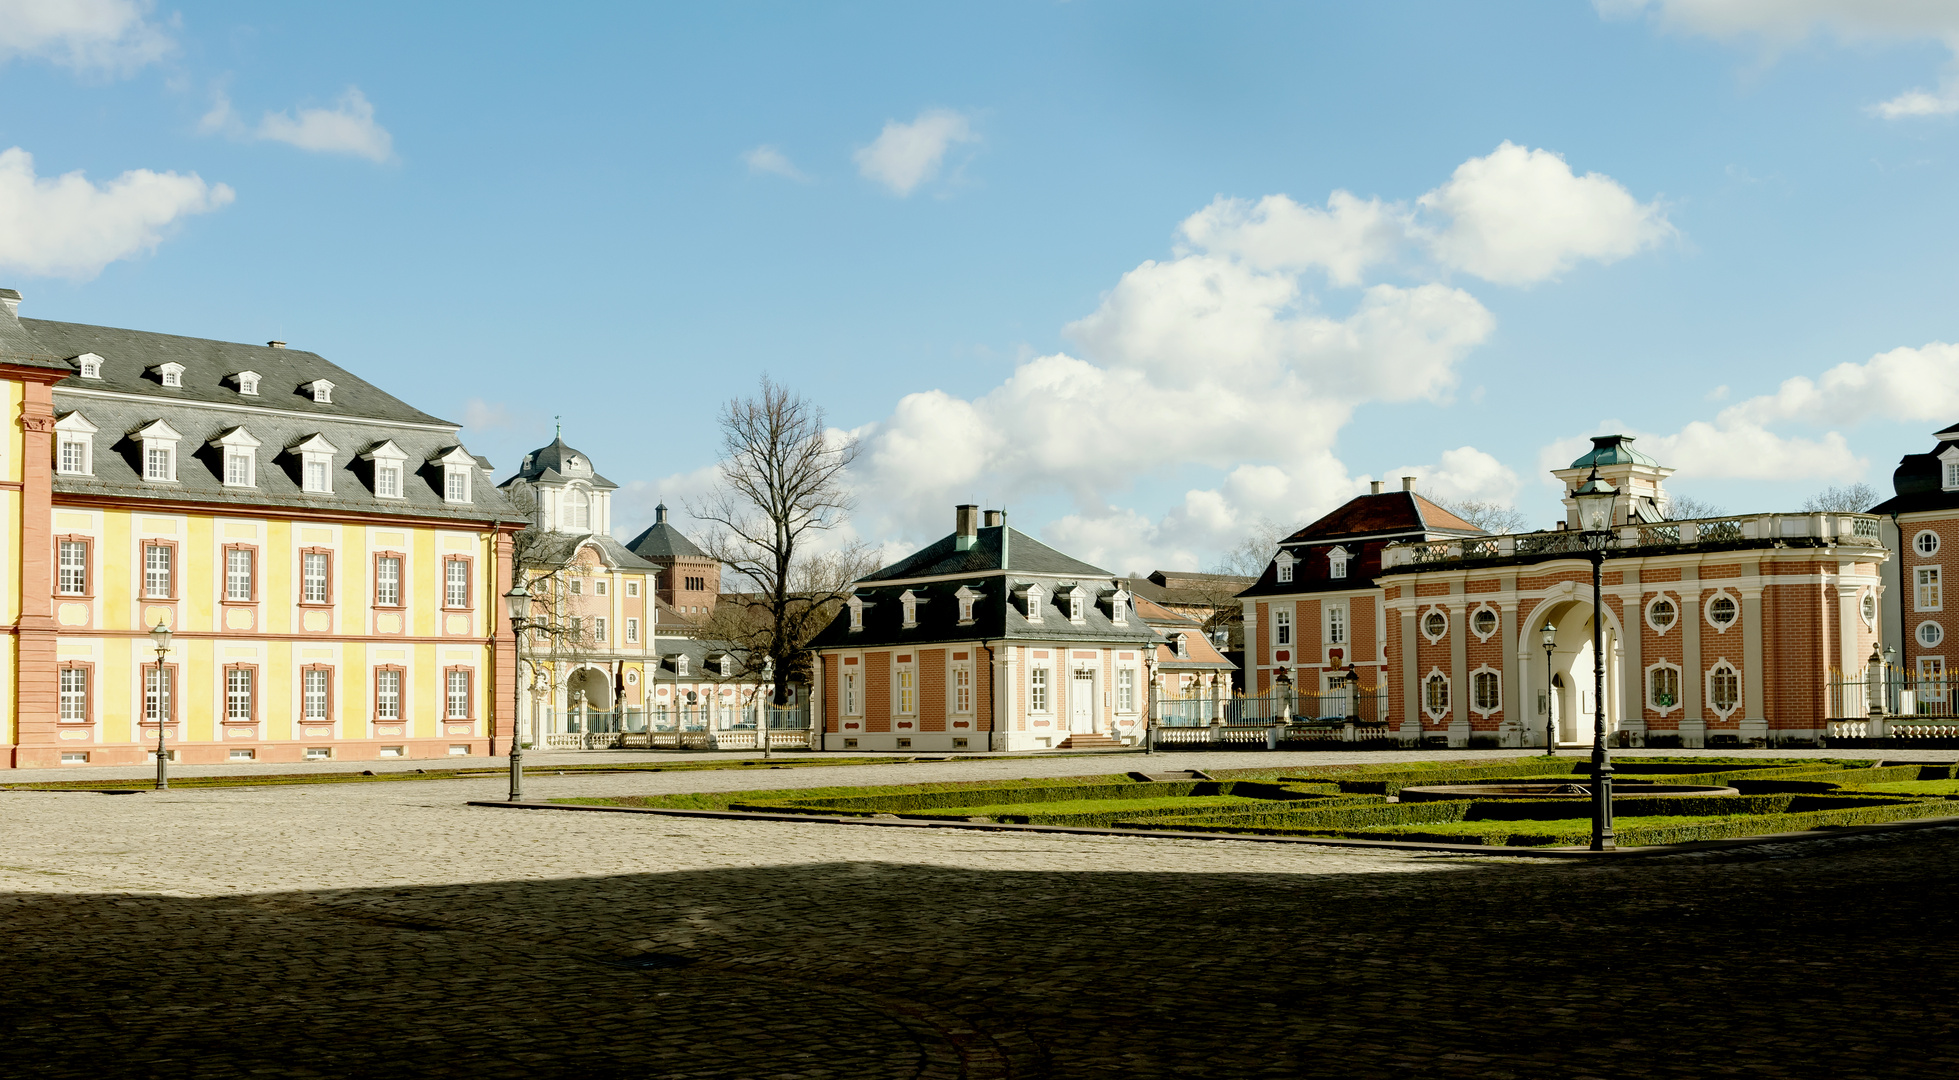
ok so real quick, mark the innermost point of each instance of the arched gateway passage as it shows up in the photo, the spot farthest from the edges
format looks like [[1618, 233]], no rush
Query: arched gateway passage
[[1564, 692]]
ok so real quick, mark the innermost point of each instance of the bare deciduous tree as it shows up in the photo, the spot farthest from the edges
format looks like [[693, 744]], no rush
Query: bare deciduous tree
[[781, 488], [1249, 557], [1848, 499], [1487, 515], [1687, 507]]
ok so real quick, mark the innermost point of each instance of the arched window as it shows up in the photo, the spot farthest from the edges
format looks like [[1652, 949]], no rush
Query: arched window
[[578, 509]]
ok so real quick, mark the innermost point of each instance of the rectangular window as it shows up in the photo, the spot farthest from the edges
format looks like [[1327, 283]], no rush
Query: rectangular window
[[850, 693], [458, 695], [315, 694], [315, 475], [238, 694], [159, 577], [455, 485], [578, 586], [632, 631], [238, 584], [1282, 628], [158, 693], [1336, 622], [387, 581], [313, 568], [1665, 689], [1336, 568], [1037, 690], [599, 586], [1931, 678], [157, 463], [387, 480], [1928, 594], [962, 690], [1285, 570], [74, 456], [1487, 690], [73, 580], [1951, 475], [455, 583], [74, 694], [237, 468], [907, 691], [387, 694], [599, 630], [1125, 689], [632, 588]]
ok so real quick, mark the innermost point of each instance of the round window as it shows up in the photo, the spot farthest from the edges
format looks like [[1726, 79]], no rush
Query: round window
[[1870, 608], [1435, 624], [1721, 611], [1485, 622], [1661, 613], [1926, 543], [632, 678], [1930, 633]]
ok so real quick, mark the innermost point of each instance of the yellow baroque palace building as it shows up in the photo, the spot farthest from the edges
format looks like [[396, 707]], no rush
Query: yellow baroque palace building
[[328, 558]]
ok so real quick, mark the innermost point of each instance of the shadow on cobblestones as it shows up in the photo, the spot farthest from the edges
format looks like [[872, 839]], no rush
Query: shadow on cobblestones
[[1841, 964]]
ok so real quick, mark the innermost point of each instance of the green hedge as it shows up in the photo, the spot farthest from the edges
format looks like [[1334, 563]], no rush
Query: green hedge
[[901, 802]]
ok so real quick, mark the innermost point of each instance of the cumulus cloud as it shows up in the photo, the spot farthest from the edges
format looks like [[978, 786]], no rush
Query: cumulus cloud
[[99, 37], [1464, 474], [907, 155], [1346, 239], [347, 128], [1519, 216], [767, 160], [68, 226], [1781, 23]]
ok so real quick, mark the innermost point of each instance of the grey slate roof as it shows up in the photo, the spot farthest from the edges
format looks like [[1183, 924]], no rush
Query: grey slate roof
[[200, 468], [556, 549], [1024, 554], [663, 541], [130, 355], [1917, 484], [558, 462], [697, 651], [17, 345], [996, 615]]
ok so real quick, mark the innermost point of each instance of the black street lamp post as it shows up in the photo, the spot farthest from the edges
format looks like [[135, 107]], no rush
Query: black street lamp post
[[161, 636], [1595, 499], [1550, 690], [519, 599]]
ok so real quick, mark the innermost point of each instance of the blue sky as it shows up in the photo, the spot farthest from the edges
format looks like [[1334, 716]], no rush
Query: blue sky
[[1021, 249]]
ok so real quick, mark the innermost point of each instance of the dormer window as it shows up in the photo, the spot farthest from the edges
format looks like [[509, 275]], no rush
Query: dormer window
[[1949, 469], [315, 464], [1119, 607], [457, 464], [159, 452], [320, 390], [910, 602], [680, 664], [1077, 607], [171, 374], [1336, 563], [1284, 563], [965, 596], [74, 445], [1183, 646], [240, 452], [386, 458], [727, 666], [247, 383], [1036, 601], [91, 365], [856, 607]]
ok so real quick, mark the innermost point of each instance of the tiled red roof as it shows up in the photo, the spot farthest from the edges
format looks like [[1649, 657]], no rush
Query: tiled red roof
[[1390, 511]]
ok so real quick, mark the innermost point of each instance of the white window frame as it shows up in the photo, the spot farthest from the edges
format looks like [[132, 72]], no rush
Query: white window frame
[[1930, 684], [1281, 627], [73, 690], [1476, 615], [74, 430], [856, 607], [966, 598], [316, 695], [1423, 620], [247, 382], [458, 684], [600, 628], [1925, 542], [904, 689], [1949, 474], [1040, 689], [632, 588], [1036, 603], [162, 570], [159, 452], [387, 587], [1282, 564], [321, 391], [308, 580], [1653, 672], [1653, 604], [909, 602], [1483, 676], [233, 579], [1929, 634], [962, 688], [1867, 607], [387, 693], [1336, 622], [237, 445], [1077, 606], [632, 630], [1430, 707], [1119, 607], [1336, 563], [171, 374], [315, 455], [387, 460], [455, 583], [71, 575], [240, 694], [1125, 689], [1708, 610], [853, 704], [1928, 590], [457, 467], [90, 364], [1713, 702]]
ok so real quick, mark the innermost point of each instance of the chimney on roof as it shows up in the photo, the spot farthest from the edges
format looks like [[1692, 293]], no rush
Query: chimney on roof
[[1374, 487], [10, 299], [993, 519], [1407, 483], [965, 526], [275, 344]]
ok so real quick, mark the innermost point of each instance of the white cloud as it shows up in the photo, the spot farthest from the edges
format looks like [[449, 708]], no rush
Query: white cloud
[[1781, 23], [768, 160], [1519, 216], [1275, 233], [105, 37], [906, 155], [67, 226], [1463, 473], [348, 128]]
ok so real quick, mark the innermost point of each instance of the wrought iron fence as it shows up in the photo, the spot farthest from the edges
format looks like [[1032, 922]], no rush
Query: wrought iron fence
[[1273, 708], [1895, 693]]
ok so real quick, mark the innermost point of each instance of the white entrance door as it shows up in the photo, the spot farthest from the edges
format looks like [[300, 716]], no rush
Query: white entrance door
[[1081, 704]]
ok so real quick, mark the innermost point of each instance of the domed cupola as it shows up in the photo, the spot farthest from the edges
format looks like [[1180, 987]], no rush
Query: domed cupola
[[571, 497]]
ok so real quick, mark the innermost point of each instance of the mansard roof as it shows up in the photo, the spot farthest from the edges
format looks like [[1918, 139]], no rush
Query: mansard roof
[[997, 615], [1388, 512], [1023, 554], [558, 463]]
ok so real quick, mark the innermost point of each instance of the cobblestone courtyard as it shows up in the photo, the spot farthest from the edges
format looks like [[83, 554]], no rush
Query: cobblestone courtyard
[[389, 930]]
